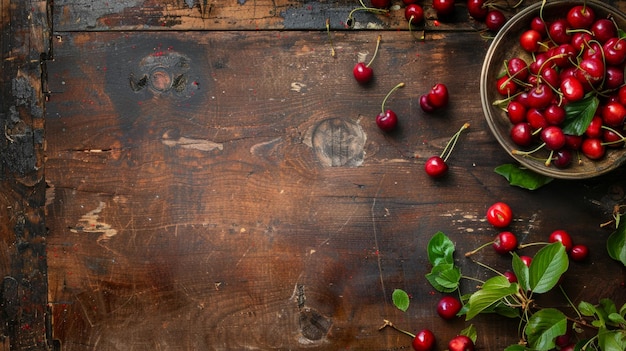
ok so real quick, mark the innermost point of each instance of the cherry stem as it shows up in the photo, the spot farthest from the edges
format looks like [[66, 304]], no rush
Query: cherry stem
[[570, 302], [527, 153], [330, 39], [468, 254], [349, 21], [523, 246], [389, 324], [382, 106], [452, 142], [375, 51]]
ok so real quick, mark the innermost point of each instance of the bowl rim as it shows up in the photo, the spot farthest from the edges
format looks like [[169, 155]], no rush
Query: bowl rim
[[487, 104]]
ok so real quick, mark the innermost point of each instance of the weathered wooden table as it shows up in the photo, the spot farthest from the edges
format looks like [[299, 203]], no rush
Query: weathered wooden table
[[205, 175]]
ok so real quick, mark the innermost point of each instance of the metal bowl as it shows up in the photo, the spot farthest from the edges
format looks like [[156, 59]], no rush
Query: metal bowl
[[505, 46]]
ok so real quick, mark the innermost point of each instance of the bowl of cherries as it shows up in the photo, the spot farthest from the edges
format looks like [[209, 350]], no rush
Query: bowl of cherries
[[553, 89]]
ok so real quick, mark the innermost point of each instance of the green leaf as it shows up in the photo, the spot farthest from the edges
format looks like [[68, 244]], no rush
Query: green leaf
[[444, 277], [616, 243], [516, 347], [522, 177], [612, 340], [440, 249], [617, 319], [400, 299], [470, 332], [547, 267], [492, 291], [544, 327], [578, 114], [586, 309], [521, 272]]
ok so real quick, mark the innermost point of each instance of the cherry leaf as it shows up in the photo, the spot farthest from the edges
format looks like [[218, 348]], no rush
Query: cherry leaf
[[544, 327], [578, 114], [400, 299], [616, 243], [522, 177], [492, 291], [521, 272], [547, 267], [611, 340], [440, 249], [444, 277]]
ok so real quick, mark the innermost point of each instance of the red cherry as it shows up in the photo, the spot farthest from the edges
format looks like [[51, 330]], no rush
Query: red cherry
[[613, 114], [424, 340], [425, 105], [558, 31], [517, 68], [516, 112], [522, 134], [603, 29], [536, 119], [506, 86], [448, 307], [436, 167], [438, 96], [443, 7], [590, 71], [477, 9], [562, 158], [615, 51], [530, 40], [381, 4], [553, 137], [614, 77], [362, 73], [579, 252], [572, 89], [510, 276], [495, 20], [499, 215], [612, 139], [414, 13], [461, 343], [539, 25], [505, 242], [387, 121], [540, 96], [593, 148], [581, 17], [554, 114], [594, 129], [563, 237]]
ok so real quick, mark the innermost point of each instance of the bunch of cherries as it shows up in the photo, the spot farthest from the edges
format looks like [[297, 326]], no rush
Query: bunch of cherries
[[578, 58]]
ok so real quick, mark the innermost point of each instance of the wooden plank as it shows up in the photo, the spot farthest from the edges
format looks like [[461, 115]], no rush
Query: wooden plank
[[230, 190], [25, 48], [87, 15]]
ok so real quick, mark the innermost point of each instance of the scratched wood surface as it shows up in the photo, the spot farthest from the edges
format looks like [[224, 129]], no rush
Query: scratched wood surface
[[24, 47], [229, 189]]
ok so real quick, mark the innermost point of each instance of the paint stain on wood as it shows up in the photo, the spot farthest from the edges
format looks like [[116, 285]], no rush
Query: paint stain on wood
[[90, 223]]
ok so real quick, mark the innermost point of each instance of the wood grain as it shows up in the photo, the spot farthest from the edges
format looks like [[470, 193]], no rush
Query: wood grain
[[201, 199], [23, 292]]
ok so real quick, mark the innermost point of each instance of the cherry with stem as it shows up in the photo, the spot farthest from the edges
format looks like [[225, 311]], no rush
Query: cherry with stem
[[387, 119], [436, 166], [362, 72]]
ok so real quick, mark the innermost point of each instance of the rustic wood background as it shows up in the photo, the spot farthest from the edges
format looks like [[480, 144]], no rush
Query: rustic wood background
[[215, 180]]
